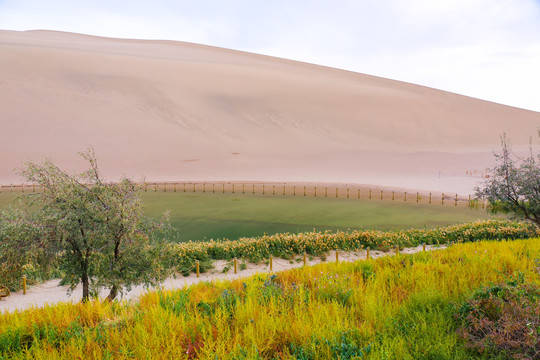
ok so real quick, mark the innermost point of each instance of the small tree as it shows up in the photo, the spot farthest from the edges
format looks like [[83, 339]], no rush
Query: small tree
[[97, 228], [514, 185]]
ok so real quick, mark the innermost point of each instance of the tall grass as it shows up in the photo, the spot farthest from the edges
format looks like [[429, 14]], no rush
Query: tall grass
[[398, 307]]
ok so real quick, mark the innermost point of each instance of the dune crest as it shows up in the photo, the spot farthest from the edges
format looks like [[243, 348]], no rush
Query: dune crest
[[179, 111]]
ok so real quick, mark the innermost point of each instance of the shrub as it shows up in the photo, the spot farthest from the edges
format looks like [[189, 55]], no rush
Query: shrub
[[503, 318]]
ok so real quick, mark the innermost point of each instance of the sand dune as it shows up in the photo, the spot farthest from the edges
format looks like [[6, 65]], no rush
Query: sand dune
[[178, 111]]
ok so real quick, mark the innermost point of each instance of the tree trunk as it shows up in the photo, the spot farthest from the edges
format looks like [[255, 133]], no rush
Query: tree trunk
[[85, 288], [112, 294]]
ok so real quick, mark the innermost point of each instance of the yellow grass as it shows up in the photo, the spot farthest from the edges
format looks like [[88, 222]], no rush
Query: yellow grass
[[368, 308]]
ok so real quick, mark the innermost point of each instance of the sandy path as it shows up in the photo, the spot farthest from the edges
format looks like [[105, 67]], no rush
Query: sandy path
[[50, 292]]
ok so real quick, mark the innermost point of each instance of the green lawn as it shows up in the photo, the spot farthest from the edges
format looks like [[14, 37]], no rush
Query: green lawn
[[200, 216]]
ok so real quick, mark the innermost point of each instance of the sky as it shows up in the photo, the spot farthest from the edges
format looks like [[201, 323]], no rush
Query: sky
[[488, 49]]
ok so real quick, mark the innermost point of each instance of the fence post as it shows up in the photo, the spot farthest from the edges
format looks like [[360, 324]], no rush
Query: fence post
[[369, 194], [233, 188], [358, 193], [304, 259], [204, 187], [430, 198], [174, 187], [381, 194], [417, 196], [469, 204], [253, 189], [405, 197], [223, 190], [235, 265], [455, 203], [263, 189], [23, 188], [33, 187], [283, 190], [243, 189], [193, 187], [424, 247], [271, 262], [155, 187], [24, 284], [337, 255], [273, 189], [294, 190], [213, 188], [336, 193], [367, 253], [326, 191], [184, 187], [304, 191], [347, 193], [315, 192], [442, 199], [393, 195], [198, 267], [397, 249]]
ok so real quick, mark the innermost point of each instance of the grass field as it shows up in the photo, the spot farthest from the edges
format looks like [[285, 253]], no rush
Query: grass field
[[395, 307], [200, 216]]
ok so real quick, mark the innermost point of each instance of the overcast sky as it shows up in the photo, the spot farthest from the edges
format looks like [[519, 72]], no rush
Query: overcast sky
[[489, 49]]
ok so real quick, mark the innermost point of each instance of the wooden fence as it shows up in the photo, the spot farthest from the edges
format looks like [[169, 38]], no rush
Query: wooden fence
[[336, 191]]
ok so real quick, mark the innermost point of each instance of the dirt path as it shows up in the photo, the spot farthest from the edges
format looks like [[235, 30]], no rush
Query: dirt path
[[50, 293]]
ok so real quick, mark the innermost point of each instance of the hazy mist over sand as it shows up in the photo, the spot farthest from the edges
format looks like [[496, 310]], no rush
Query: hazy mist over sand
[[179, 111]]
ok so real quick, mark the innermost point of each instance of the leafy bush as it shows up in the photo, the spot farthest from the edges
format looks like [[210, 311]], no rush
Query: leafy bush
[[503, 318], [22, 251]]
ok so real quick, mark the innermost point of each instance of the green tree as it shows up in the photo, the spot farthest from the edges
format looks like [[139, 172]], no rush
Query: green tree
[[514, 185], [96, 228]]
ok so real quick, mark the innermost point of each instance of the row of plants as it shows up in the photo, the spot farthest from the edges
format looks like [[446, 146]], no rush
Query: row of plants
[[183, 256], [38, 265], [427, 305]]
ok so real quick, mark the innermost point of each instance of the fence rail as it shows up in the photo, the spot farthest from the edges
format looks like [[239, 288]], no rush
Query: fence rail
[[336, 191]]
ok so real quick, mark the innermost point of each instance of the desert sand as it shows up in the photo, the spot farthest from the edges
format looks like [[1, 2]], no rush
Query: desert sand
[[174, 111], [50, 293]]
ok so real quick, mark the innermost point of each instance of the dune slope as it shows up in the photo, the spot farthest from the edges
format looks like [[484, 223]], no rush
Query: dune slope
[[179, 111]]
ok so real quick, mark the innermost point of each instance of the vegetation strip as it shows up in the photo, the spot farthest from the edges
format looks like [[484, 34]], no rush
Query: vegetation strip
[[405, 306], [183, 256]]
